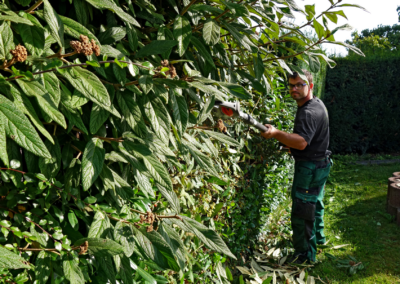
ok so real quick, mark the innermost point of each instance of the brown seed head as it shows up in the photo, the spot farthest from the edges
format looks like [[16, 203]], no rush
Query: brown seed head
[[19, 53], [95, 47], [84, 39], [76, 45], [164, 62]]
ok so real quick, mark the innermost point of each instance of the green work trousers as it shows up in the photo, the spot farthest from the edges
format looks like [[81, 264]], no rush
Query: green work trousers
[[308, 208]]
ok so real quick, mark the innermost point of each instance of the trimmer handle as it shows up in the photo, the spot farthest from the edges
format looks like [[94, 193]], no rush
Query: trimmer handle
[[247, 118]]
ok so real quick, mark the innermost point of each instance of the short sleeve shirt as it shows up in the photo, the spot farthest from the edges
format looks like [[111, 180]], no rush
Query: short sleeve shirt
[[312, 123]]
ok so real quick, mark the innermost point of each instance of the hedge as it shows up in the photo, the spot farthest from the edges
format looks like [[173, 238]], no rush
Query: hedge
[[362, 98]]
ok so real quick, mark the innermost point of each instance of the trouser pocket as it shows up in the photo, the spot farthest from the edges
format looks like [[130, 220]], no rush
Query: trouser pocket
[[304, 210]]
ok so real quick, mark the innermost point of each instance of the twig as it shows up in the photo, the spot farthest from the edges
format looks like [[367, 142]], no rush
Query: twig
[[188, 6], [75, 148], [159, 216], [31, 9], [9, 169]]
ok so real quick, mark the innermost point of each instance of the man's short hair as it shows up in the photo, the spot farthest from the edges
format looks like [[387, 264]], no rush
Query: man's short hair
[[306, 73]]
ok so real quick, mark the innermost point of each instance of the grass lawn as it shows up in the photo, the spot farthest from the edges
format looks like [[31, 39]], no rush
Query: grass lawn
[[355, 214]]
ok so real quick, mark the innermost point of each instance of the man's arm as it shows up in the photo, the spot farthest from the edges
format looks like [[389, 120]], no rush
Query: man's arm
[[291, 140]]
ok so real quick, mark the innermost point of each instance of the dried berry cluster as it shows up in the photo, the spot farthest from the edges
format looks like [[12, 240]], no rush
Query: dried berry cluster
[[85, 46], [221, 126], [19, 53], [171, 71], [148, 218], [84, 247]]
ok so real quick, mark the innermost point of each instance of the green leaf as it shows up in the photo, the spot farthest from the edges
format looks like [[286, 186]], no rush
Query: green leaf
[[110, 5], [52, 85], [19, 127], [43, 267], [353, 5], [258, 66], [203, 51], [237, 9], [132, 37], [131, 112], [155, 169], [125, 270], [101, 247], [16, 19], [99, 115], [100, 227], [179, 110], [123, 234], [33, 38], [156, 47], [11, 260], [74, 118], [112, 35], [3, 143], [143, 273], [144, 183], [73, 174], [209, 237], [201, 159], [51, 167], [73, 220], [174, 241], [75, 29], [6, 41], [236, 90], [54, 22], [211, 32], [319, 29], [241, 39], [89, 85], [71, 269], [222, 138], [182, 31], [24, 105], [209, 90], [92, 162], [146, 83], [45, 101]]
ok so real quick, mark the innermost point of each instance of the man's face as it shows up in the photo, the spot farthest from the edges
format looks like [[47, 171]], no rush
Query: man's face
[[300, 92]]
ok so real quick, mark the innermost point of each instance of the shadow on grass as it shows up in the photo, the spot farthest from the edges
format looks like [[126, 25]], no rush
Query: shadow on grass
[[373, 237]]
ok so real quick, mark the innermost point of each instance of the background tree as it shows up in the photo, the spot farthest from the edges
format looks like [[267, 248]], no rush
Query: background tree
[[110, 165]]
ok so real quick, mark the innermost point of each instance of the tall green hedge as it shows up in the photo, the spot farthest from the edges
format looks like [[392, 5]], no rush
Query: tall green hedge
[[362, 96]]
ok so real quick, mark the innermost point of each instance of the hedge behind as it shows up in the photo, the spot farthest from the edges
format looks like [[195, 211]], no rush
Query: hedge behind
[[362, 96]]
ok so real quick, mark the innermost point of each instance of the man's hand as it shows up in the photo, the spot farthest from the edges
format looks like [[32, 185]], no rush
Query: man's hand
[[270, 133]]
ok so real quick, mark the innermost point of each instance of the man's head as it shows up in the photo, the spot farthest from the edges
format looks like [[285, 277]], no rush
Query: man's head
[[299, 89]]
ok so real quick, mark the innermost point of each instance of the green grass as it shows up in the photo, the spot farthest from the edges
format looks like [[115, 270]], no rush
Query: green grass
[[355, 214]]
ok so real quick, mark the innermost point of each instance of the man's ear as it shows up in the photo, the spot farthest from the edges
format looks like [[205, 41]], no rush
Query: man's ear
[[311, 86]]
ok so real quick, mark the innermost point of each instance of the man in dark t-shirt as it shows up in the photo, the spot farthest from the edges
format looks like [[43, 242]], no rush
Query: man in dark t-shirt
[[309, 145]]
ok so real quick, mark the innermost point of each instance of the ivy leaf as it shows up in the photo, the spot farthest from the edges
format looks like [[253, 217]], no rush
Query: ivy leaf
[[54, 22], [101, 247], [156, 47], [92, 162], [6, 41], [43, 267], [19, 127], [211, 32], [182, 31], [71, 268], [10, 260]]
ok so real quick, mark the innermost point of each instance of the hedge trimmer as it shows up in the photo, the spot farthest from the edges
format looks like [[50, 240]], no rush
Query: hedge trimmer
[[228, 110]]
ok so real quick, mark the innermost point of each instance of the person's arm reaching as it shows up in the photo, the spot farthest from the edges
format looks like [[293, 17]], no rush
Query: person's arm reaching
[[291, 140]]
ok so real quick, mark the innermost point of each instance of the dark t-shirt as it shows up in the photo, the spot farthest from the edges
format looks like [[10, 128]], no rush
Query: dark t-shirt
[[312, 123]]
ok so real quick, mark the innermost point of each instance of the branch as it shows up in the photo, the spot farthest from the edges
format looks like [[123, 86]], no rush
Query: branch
[[31, 9], [188, 6], [159, 216]]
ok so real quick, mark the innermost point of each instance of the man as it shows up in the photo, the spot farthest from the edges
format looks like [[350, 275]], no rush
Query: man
[[309, 145]]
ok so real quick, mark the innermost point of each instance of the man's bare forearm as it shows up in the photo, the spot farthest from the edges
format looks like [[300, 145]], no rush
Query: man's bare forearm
[[291, 140]]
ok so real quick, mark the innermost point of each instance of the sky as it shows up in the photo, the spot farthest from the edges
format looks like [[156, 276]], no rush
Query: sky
[[381, 12]]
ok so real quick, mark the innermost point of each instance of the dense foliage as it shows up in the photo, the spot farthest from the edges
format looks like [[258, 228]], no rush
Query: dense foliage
[[362, 99], [110, 165]]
